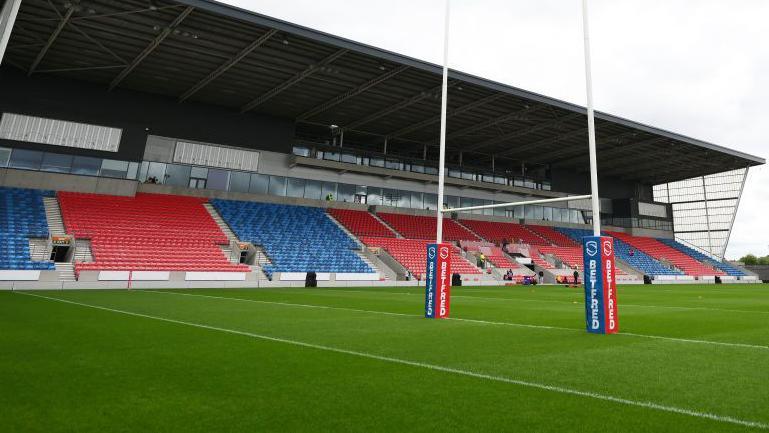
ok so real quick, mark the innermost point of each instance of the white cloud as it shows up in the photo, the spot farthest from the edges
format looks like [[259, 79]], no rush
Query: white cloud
[[696, 68]]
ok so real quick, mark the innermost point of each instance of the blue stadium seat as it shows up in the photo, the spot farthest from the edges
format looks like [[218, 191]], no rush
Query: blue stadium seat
[[22, 216], [639, 260], [296, 238], [726, 267]]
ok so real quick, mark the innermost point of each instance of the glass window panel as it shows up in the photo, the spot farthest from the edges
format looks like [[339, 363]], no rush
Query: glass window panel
[[454, 173], [518, 212], [112, 168], [199, 172], [346, 192], [430, 201], [312, 189], [143, 171], [301, 151], [239, 181], [90, 166], [499, 211], [548, 214], [277, 186], [26, 159], [431, 170], [5, 155], [219, 179], [329, 188], [376, 162], [331, 156], [295, 187], [393, 164], [133, 167], [374, 196], [259, 183], [416, 168], [178, 175], [404, 199], [349, 158], [538, 212], [451, 200], [416, 200], [56, 163]]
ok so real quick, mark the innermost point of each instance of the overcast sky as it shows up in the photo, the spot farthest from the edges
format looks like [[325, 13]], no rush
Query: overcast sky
[[696, 67]]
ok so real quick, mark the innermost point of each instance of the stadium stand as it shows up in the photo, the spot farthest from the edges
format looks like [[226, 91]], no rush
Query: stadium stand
[[637, 259], [22, 216], [423, 227], [412, 254], [498, 258], [570, 256], [148, 232], [499, 231], [726, 267], [553, 236], [296, 238], [656, 249], [361, 223]]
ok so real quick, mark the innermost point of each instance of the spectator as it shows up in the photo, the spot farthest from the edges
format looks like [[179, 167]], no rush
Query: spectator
[[329, 197], [408, 275], [541, 277], [483, 261], [576, 276]]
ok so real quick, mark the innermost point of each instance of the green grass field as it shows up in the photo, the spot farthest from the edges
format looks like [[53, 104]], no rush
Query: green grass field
[[689, 358]]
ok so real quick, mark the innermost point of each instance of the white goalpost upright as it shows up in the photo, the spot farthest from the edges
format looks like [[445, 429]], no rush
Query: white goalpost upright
[[444, 104], [596, 205], [595, 202]]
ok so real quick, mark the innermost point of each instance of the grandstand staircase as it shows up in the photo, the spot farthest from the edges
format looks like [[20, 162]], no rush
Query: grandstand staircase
[[261, 258], [39, 250], [395, 232], [53, 216], [470, 230], [378, 268], [66, 271], [83, 251]]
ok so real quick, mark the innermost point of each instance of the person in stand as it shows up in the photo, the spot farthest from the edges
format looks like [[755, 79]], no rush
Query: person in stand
[[576, 276], [541, 277], [408, 275], [329, 197], [632, 252], [483, 261]]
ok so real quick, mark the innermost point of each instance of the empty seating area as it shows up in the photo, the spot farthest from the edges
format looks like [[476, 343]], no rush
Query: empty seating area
[[623, 251], [499, 231], [726, 267], [570, 256], [361, 223], [22, 216], [295, 238], [423, 227], [661, 251], [553, 236], [498, 258], [148, 232], [412, 254]]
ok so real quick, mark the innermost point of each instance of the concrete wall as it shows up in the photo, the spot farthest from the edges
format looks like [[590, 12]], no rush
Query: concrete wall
[[66, 182]]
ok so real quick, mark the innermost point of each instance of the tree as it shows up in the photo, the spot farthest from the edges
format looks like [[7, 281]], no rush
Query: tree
[[752, 260]]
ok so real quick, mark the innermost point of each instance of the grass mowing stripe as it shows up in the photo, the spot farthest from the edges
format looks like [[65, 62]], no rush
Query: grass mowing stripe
[[551, 301], [467, 373], [458, 319]]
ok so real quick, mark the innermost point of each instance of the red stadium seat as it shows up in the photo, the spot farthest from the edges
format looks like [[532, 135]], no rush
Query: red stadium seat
[[361, 223], [412, 254], [148, 232], [423, 227]]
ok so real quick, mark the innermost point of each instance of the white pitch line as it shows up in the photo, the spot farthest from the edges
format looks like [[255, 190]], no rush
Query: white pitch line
[[458, 319], [433, 367]]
